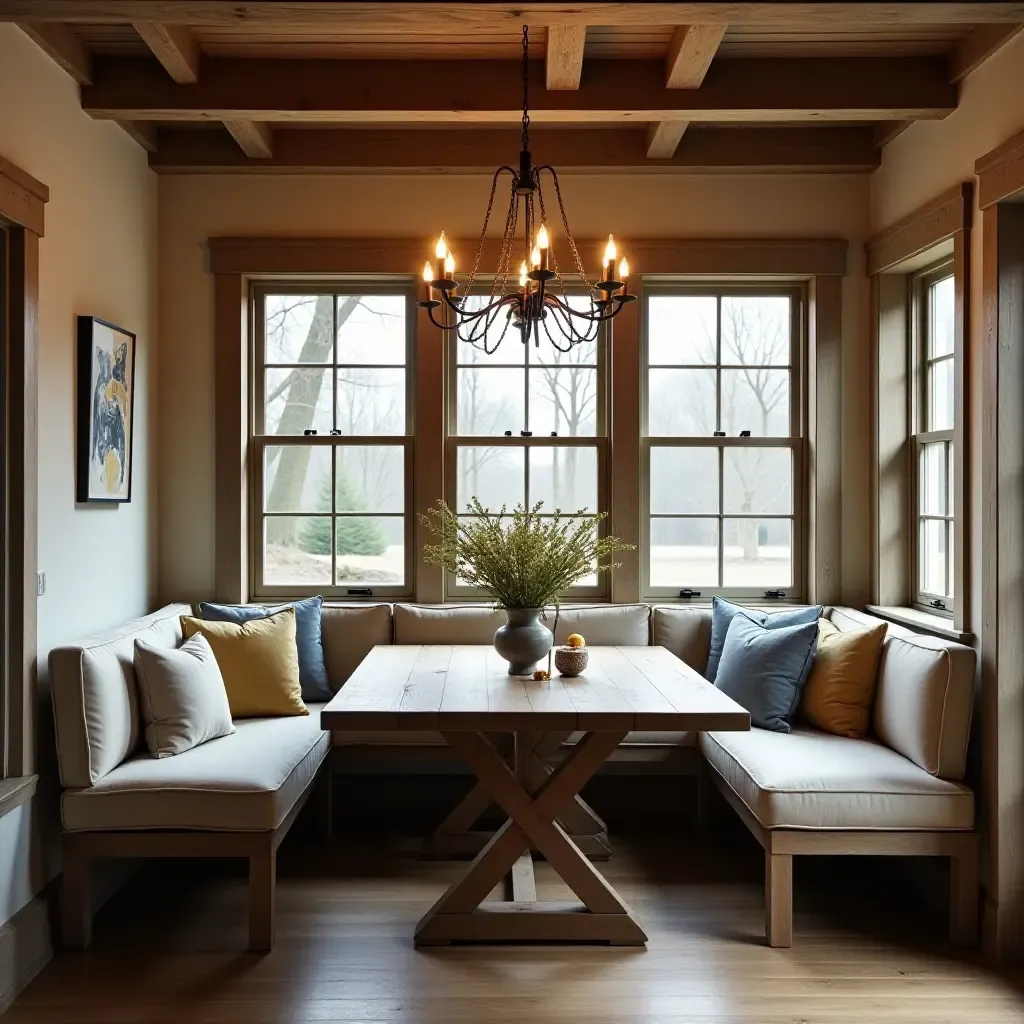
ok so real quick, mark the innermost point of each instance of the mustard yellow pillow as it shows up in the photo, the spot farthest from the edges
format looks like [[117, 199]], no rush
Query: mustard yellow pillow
[[841, 685], [259, 662]]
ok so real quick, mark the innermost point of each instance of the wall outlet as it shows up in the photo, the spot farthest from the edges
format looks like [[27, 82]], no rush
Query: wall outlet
[[40, 584]]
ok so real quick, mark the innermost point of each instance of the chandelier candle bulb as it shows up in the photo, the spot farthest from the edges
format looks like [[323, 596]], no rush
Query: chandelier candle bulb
[[535, 257], [624, 274], [543, 244], [523, 280], [440, 252]]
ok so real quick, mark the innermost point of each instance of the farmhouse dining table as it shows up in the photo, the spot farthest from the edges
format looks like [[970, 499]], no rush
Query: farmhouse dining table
[[466, 694]]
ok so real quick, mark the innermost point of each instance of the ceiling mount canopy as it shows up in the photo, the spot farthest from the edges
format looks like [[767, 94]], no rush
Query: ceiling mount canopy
[[534, 298]]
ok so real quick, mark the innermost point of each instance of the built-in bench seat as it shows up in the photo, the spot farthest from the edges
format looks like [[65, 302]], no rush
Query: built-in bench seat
[[898, 792]]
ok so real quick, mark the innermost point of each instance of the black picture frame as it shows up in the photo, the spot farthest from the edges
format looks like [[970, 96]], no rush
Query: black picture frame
[[106, 412]]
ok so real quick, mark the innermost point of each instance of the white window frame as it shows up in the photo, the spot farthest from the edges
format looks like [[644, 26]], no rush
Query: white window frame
[[259, 441], [920, 283], [599, 442], [795, 442]]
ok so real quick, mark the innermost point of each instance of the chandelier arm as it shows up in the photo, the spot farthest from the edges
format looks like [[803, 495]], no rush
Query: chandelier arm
[[565, 224], [598, 317], [565, 317], [487, 218]]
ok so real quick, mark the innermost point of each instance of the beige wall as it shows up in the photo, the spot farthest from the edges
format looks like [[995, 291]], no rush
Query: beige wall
[[930, 158], [99, 258], [193, 208]]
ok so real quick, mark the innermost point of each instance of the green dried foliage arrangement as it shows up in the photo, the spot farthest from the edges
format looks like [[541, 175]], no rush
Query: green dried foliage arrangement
[[522, 558]]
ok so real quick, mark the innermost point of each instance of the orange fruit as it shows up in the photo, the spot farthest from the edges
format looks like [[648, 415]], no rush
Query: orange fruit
[[575, 640]]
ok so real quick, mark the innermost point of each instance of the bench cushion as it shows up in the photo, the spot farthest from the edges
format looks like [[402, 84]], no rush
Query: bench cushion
[[246, 782], [815, 780], [95, 697], [349, 633]]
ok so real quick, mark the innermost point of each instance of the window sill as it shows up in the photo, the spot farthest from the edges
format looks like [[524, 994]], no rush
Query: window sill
[[14, 792], [914, 618]]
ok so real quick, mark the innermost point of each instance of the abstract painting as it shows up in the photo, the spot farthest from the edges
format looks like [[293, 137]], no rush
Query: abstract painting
[[106, 394]]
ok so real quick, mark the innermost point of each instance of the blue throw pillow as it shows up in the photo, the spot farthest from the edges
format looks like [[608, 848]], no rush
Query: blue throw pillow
[[722, 613], [316, 686], [764, 669]]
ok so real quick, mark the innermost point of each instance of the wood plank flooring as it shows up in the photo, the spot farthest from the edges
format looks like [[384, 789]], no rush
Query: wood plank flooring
[[169, 947]]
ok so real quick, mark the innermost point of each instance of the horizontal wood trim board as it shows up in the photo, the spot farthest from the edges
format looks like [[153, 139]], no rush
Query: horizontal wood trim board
[[1001, 172], [978, 46], [800, 258], [490, 91], [932, 223], [455, 17], [837, 150]]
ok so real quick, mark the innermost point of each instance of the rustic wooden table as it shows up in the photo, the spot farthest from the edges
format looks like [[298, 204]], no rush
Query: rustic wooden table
[[465, 692]]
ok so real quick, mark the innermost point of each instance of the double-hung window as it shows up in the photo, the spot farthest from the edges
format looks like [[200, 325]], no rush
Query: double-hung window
[[933, 416], [332, 440], [722, 441], [528, 424]]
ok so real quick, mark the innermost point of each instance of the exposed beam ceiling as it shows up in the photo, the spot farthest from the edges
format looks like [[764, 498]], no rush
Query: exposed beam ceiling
[[144, 133], [663, 137], [63, 47], [175, 47], [254, 139], [434, 92], [563, 61], [976, 48], [457, 17], [454, 150], [690, 54]]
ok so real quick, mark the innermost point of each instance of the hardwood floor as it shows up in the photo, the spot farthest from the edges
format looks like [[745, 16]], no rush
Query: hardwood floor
[[169, 947]]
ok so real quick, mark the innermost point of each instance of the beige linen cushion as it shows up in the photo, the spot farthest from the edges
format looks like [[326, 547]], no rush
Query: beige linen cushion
[[95, 703], [181, 695], [686, 632], [815, 780], [349, 633], [245, 782]]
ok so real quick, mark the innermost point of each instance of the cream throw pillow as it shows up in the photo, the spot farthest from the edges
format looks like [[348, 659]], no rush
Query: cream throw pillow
[[259, 661], [181, 695]]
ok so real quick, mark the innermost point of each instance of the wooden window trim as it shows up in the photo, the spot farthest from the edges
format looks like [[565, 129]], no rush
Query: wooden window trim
[[236, 263], [22, 204], [938, 231]]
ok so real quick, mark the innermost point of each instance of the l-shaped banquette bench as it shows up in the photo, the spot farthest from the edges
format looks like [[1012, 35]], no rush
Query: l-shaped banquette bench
[[805, 792]]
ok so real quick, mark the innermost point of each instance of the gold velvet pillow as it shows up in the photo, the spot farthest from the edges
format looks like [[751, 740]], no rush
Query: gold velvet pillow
[[259, 662], [841, 685]]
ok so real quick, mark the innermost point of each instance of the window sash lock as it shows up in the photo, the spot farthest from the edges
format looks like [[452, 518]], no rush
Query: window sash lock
[[774, 593], [687, 592]]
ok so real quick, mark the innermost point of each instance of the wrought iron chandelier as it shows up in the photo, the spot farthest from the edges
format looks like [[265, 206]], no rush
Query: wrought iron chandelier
[[540, 297]]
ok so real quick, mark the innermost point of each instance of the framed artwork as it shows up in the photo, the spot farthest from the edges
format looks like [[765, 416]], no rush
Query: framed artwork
[[106, 400]]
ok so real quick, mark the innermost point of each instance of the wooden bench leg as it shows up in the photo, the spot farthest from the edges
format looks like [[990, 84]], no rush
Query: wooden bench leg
[[262, 886], [778, 895], [76, 899], [963, 898]]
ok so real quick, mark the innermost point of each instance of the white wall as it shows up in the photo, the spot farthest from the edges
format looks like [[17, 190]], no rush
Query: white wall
[[99, 258], [922, 163], [194, 208]]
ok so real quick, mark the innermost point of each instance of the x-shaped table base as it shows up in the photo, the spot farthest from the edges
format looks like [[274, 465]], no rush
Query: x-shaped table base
[[461, 915]]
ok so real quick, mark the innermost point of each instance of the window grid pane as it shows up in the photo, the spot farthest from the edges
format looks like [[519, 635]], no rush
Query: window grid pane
[[721, 515], [334, 514]]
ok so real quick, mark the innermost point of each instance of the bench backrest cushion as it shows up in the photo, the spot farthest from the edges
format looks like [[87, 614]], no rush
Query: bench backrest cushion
[[349, 633], [686, 632], [95, 696], [601, 625], [925, 695]]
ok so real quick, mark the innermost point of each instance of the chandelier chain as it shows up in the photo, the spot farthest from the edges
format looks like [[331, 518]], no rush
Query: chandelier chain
[[526, 87]]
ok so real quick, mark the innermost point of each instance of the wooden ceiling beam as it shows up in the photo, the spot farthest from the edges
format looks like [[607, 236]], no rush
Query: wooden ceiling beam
[[690, 54], [974, 49], [663, 138], [457, 17], [563, 59], [451, 150], [490, 92], [63, 47], [254, 139], [175, 47]]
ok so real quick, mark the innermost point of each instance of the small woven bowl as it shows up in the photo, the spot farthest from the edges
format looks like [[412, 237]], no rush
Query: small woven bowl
[[571, 661]]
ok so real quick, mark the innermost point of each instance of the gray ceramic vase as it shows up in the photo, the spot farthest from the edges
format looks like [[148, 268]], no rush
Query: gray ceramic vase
[[523, 640]]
